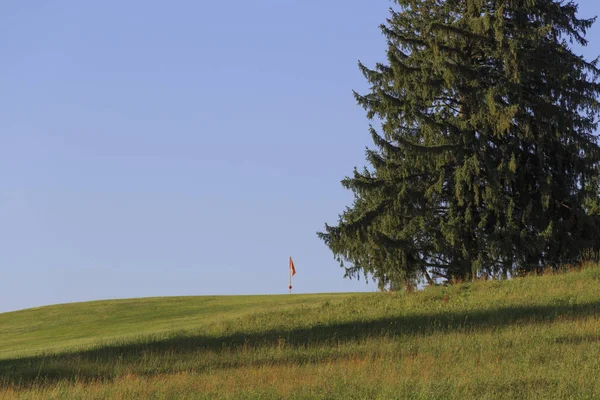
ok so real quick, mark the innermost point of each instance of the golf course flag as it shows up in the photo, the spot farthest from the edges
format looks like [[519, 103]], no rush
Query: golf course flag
[[292, 273]]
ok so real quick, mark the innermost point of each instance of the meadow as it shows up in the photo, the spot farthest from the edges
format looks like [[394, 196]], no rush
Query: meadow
[[534, 337]]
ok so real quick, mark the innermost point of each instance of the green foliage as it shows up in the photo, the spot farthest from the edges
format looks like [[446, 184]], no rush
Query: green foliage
[[533, 337], [486, 161]]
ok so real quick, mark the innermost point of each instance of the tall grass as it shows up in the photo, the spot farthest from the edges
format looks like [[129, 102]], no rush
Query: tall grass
[[534, 337]]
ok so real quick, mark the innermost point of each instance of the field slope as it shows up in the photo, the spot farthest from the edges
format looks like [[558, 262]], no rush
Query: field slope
[[536, 337]]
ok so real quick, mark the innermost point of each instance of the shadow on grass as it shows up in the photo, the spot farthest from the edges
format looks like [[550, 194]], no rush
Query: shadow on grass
[[577, 339], [109, 362]]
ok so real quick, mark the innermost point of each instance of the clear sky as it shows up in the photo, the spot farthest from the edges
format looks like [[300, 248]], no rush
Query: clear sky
[[152, 148]]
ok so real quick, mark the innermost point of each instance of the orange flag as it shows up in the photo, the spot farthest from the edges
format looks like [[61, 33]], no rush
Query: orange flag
[[292, 268]]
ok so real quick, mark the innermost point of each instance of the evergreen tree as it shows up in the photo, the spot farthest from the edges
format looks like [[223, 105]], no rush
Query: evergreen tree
[[487, 159]]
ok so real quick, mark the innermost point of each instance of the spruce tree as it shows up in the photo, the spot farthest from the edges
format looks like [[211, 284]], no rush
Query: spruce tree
[[485, 158]]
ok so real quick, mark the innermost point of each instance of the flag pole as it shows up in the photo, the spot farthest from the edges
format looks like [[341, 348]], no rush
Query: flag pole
[[290, 268]]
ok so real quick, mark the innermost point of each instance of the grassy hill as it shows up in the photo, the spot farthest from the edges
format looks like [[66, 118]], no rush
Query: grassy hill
[[536, 337]]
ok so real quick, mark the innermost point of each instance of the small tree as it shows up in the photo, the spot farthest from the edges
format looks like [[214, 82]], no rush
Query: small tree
[[486, 160]]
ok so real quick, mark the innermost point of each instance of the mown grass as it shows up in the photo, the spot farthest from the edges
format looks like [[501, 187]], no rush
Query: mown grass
[[535, 337]]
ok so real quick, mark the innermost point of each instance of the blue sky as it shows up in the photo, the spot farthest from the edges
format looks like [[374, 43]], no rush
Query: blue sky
[[153, 148]]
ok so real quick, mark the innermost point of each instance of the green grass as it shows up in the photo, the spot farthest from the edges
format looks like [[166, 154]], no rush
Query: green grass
[[535, 337]]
